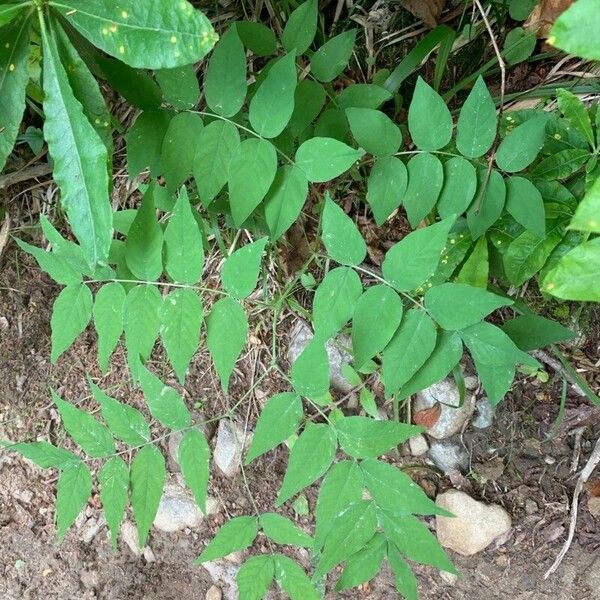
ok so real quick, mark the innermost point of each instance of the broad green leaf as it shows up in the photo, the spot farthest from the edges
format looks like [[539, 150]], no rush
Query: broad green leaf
[[411, 261], [179, 86], [527, 254], [293, 580], [226, 332], [309, 99], [108, 320], [587, 215], [225, 81], [285, 199], [333, 56], [341, 237], [458, 305], [561, 165], [310, 371], [576, 113], [488, 204], [181, 318], [237, 534], [374, 131], [377, 315], [143, 250], [43, 454], [251, 172], [257, 37], [8, 12], [349, 533], [332, 123], [530, 332], [334, 300], [459, 187], [521, 146], [310, 458], [574, 31], [164, 403], [278, 420], [79, 159], [475, 270], [215, 148], [68, 252], [71, 313], [386, 187], [477, 122], [193, 456], [363, 565], [425, 181], [147, 35], [114, 487], [255, 576], [429, 120], [14, 77], [124, 422], [144, 142], [56, 265], [367, 402], [73, 490], [518, 45], [323, 159], [524, 202], [272, 104], [241, 269], [148, 475], [363, 95], [519, 10], [365, 437], [406, 582], [301, 27], [283, 531]]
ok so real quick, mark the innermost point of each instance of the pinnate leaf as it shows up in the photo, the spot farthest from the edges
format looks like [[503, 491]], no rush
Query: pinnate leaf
[[285, 199], [374, 131], [108, 320], [425, 181], [521, 146], [73, 490], [386, 187], [43, 454], [283, 531], [293, 580], [193, 456], [323, 159], [332, 58], [364, 564], [301, 26], [114, 486], [524, 202], [429, 120], [255, 577]]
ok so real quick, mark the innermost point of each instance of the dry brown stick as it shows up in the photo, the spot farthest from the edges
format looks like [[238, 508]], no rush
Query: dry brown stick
[[24, 175]]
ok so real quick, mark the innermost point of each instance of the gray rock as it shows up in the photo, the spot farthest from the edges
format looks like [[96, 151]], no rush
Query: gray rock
[[418, 445], [91, 528], [448, 456], [475, 525], [214, 593], [449, 578], [228, 448], [149, 555], [485, 414], [224, 574], [130, 537], [452, 415], [177, 510]]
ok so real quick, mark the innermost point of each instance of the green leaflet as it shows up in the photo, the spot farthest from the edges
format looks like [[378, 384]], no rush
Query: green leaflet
[[310, 371], [179, 86], [377, 315], [236, 534], [341, 236], [114, 486], [241, 269], [14, 76], [475, 270], [576, 113], [574, 31], [44, 454], [108, 320], [459, 187], [561, 165], [272, 104], [293, 580], [386, 187], [225, 81], [251, 172], [144, 142], [374, 131], [529, 332], [184, 254], [226, 332], [79, 158], [332, 58], [332, 123], [521, 146], [587, 215], [323, 159], [255, 576], [71, 313], [425, 181], [518, 45], [363, 95], [181, 318], [406, 582], [524, 202], [429, 120], [257, 37], [73, 489], [301, 27], [285, 199], [363, 565], [148, 474], [477, 122], [8, 13], [309, 99], [283, 531], [59, 267], [411, 261], [193, 456], [488, 204], [310, 458], [148, 34]]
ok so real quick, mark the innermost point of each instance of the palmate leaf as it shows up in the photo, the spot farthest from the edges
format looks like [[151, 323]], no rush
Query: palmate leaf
[[74, 487], [149, 34], [8, 12], [114, 486]]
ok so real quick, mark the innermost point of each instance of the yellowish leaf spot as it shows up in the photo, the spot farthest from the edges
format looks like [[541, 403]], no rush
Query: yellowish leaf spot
[[7, 45], [125, 14], [177, 54], [97, 121], [430, 284], [11, 67], [557, 136], [592, 224], [550, 286], [105, 31], [105, 123], [498, 242], [122, 49], [445, 261], [551, 40], [453, 241], [113, 28], [173, 39]]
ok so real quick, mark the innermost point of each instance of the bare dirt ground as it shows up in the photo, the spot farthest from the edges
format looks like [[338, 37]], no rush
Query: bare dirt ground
[[512, 463]]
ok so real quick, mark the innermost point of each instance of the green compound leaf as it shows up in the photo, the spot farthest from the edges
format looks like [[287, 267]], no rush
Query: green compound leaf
[[144, 142], [576, 113], [226, 332], [193, 456], [241, 269], [341, 236], [363, 565], [530, 332], [332, 58], [108, 320], [179, 86], [114, 487], [272, 104], [429, 120], [406, 582], [251, 172], [574, 31], [73, 490], [278, 420], [411, 261], [587, 215], [181, 318], [323, 159], [44, 454], [88, 433], [521, 146], [488, 204], [310, 371], [71, 313], [374, 131], [425, 181], [561, 165], [57, 266], [460, 185], [283, 531], [524, 202], [236, 534], [293, 580], [258, 38], [225, 82], [148, 34], [386, 187], [255, 577], [477, 122], [310, 458], [475, 270], [148, 475], [301, 27]]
